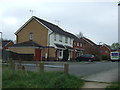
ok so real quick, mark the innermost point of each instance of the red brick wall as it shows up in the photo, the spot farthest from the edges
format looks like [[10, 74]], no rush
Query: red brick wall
[[104, 51]]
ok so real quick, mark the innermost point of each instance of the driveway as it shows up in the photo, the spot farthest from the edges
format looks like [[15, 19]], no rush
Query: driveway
[[95, 71]]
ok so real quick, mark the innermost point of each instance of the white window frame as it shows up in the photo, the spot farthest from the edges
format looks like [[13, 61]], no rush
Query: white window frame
[[70, 41], [77, 43], [74, 43], [60, 38], [31, 35], [66, 39], [106, 51], [81, 45], [55, 37]]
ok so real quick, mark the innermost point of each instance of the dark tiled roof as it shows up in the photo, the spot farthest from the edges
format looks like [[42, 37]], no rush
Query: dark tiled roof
[[58, 30], [27, 44], [59, 46], [5, 42]]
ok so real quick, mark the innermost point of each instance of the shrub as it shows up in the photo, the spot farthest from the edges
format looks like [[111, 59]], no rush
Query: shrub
[[105, 57]]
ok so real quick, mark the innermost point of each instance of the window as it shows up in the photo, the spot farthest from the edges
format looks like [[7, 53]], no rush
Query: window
[[106, 51], [66, 39], [100, 51], [78, 44], [55, 36], [74, 43], [70, 41], [60, 38], [31, 36]]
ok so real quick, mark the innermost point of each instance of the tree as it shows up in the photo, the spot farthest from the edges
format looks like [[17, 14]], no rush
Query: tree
[[115, 46], [80, 35]]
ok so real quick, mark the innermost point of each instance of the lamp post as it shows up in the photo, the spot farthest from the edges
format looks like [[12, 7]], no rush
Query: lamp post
[[1, 40], [1, 47]]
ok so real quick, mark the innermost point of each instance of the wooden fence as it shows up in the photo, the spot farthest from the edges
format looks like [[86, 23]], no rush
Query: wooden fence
[[39, 66]]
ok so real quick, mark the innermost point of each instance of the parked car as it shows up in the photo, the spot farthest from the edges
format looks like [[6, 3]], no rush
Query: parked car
[[86, 57]]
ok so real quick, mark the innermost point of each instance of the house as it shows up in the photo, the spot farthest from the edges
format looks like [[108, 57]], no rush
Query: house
[[78, 46], [46, 41], [104, 50], [6, 44], [89, 46], [5, 50]]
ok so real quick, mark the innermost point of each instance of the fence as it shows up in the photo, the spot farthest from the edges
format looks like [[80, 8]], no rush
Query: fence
[[39, 66]]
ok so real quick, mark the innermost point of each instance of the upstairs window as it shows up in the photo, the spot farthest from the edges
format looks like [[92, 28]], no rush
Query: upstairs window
[[70, 41], [106, 51], [66, 39], [78, 44], [31, 36], [60, 38], [55, 36], [74, 43]]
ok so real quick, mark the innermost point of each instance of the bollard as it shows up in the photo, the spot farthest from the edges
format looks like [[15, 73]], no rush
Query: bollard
[[41, 65], [66, 68]]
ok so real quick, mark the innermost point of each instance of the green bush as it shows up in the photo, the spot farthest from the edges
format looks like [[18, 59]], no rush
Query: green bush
[[105, 57], [22, 79]]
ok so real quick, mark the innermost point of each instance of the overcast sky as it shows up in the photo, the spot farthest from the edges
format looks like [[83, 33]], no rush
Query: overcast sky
[[96, 19]]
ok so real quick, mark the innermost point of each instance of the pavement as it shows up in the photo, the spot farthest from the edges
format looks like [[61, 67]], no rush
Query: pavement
[[107, 76], [101, 80], [94, 85]]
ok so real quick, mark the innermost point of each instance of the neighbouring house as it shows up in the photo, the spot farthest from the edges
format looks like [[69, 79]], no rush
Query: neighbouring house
[[104, 50], [78, 46], [5, 50], [89, 46], [46, 41]]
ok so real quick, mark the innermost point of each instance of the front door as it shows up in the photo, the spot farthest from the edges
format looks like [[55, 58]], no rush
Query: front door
[[38, 56]]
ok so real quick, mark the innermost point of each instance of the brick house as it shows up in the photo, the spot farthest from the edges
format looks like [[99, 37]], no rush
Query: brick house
[[5, 50], [6, 44], [89, 46], [78, 46], [46, 41], [104, 50]]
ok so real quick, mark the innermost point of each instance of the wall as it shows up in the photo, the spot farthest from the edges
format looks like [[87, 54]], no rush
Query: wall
[[52, 41], [104, 49], [40, 33], [23, 50]]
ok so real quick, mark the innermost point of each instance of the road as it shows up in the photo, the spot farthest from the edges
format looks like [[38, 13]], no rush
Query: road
[[96, 71]]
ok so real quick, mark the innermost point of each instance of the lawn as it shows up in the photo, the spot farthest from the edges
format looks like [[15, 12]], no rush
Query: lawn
[[22, 79]]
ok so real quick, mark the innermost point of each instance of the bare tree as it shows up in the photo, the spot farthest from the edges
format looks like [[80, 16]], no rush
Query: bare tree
[[80, 35]]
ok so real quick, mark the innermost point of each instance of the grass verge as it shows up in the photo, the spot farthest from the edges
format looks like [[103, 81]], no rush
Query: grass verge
[[114, 86], [21, 79]]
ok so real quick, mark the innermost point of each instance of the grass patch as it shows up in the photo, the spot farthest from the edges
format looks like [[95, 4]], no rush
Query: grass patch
[[114, 86], [20, 79]]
